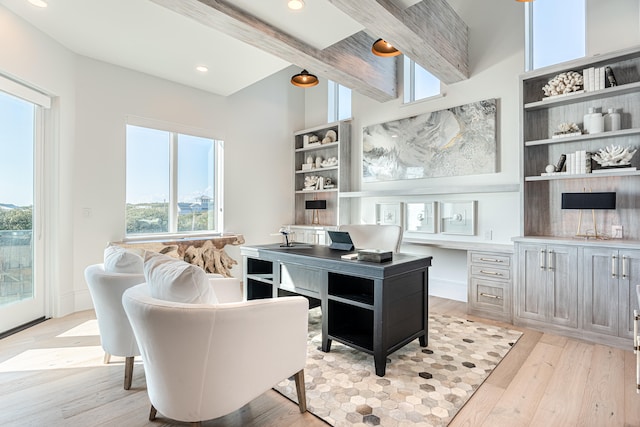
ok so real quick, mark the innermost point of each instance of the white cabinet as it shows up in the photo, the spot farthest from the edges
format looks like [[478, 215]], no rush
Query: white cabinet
[[547, 289], [609, 281]]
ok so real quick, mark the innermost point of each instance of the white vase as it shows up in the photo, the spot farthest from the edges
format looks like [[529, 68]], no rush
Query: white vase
[[611, 120], [596, 123]]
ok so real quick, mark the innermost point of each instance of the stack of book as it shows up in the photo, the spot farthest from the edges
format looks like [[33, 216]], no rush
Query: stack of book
[[577, 163], [597, 78]]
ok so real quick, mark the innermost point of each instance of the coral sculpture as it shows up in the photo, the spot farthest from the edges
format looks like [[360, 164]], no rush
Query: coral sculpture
[[563, 83], [614, 156], [567, 129], [310, 181]]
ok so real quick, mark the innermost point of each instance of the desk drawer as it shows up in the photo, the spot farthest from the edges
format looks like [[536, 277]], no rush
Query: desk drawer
[[294, 277], [491, 272], [491, 259]]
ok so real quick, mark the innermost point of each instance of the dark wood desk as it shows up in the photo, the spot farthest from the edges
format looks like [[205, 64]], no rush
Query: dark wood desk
[[373, 307]]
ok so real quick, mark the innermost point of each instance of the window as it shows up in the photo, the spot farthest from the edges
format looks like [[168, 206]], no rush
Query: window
[[22, 184], [418, 82], [546, 24], [173, 182], [339, 102]]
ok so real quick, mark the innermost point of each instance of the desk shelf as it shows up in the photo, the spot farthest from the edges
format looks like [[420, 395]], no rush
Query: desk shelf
[[351, 324]]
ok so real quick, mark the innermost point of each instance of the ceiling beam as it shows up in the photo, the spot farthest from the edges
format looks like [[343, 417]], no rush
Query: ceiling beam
[[348, 62], [429, 32]]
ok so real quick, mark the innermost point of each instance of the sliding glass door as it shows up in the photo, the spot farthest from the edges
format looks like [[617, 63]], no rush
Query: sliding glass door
[[21, 298]]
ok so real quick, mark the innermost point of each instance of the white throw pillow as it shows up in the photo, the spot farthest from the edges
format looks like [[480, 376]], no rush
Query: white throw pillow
[[174, 280], [120, 260]]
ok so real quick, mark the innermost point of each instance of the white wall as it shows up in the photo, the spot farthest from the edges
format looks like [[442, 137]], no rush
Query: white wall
[[496, 59]]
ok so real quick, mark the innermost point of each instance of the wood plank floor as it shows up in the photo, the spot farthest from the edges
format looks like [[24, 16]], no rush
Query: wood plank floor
[[52, 375]]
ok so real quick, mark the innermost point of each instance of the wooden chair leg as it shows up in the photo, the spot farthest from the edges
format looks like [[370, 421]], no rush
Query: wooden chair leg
[[128, 372], [300, 390], [152, 413], [195, 424], [107, 358]]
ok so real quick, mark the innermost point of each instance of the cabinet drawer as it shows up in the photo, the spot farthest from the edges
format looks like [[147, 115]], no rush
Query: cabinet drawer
[[487, 294], [491, 272], [490, 258]]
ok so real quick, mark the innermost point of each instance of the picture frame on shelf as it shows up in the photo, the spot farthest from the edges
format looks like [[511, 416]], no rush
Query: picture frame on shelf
[[421, 217], [389, 213], [458, 217]]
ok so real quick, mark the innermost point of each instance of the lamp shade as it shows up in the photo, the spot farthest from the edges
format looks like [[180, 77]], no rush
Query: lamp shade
[[604, 200], [304, 79], [315, 204], [383, 48]]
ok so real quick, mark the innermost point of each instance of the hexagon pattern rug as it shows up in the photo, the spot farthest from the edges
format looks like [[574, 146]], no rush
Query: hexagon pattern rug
[[423, 386]]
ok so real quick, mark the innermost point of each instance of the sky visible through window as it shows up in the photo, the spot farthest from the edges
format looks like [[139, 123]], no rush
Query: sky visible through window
[[16, 146], [148, 168], [555, 38]]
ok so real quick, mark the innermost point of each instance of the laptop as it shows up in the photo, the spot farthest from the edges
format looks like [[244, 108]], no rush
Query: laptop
[[341, 241]]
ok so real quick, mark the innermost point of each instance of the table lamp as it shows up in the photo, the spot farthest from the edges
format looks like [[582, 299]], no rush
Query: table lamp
[[588, 200], [315, 205]]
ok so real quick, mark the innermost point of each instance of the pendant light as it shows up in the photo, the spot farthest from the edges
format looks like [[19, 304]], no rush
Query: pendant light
[[384, 48], [304, 79]]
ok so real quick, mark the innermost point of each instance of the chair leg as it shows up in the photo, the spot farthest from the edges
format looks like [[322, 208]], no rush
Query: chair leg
[[107, 358], [195, 424], [152, 413], [128, 372], [300, 390]]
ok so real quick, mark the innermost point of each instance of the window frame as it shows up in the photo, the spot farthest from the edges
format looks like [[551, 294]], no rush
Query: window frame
[[333, 102], [175, 130], [409, 83], [529, 45]]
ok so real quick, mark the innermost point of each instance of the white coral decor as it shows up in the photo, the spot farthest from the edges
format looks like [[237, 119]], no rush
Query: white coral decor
[[614, 156], [563, 83]]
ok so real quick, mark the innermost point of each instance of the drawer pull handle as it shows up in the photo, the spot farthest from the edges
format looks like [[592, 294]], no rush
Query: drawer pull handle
[[482, 294], [491, 260], [493, 273]]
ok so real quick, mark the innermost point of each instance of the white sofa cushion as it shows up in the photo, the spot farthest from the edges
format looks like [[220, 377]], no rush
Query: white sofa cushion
[[171, 279], [120, 260]]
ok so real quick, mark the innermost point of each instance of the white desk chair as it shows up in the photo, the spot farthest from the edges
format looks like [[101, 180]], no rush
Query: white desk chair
[[374, 236]]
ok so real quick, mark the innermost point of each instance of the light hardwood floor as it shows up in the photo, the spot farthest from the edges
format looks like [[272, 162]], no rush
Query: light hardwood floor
[[52, 375]]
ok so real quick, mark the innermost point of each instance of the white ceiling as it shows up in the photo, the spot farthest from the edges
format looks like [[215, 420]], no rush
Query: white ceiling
[[144, 36]]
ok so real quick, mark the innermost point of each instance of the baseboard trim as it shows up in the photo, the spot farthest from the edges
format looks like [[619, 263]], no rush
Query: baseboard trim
[[22, 327]]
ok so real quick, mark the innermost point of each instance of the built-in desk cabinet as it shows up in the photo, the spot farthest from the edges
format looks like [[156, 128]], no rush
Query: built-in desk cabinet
[[610, 277], [580, 288], [548, 284], [490, 284]]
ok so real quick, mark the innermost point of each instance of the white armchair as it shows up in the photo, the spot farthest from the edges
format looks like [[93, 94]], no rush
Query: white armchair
[[374, 236], [203, 361], [116, 335]]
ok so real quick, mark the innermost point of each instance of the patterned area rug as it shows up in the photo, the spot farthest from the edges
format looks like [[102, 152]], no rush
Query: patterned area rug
[[423, 386]]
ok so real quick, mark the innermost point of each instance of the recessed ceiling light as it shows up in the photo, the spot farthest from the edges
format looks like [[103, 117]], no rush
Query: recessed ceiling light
[[38, 3], [202, 68], [296, 4]]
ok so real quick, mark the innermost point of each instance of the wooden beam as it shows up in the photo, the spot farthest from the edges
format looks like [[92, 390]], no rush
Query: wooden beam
[[348, 62], [429, 32]]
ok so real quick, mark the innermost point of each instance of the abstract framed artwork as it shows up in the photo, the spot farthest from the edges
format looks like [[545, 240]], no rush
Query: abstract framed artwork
[[420, 217], [458, 217], [452, 142], [389, 213]]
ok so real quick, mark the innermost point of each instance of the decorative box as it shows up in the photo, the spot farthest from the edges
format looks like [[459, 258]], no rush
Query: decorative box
[[374, 255]]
